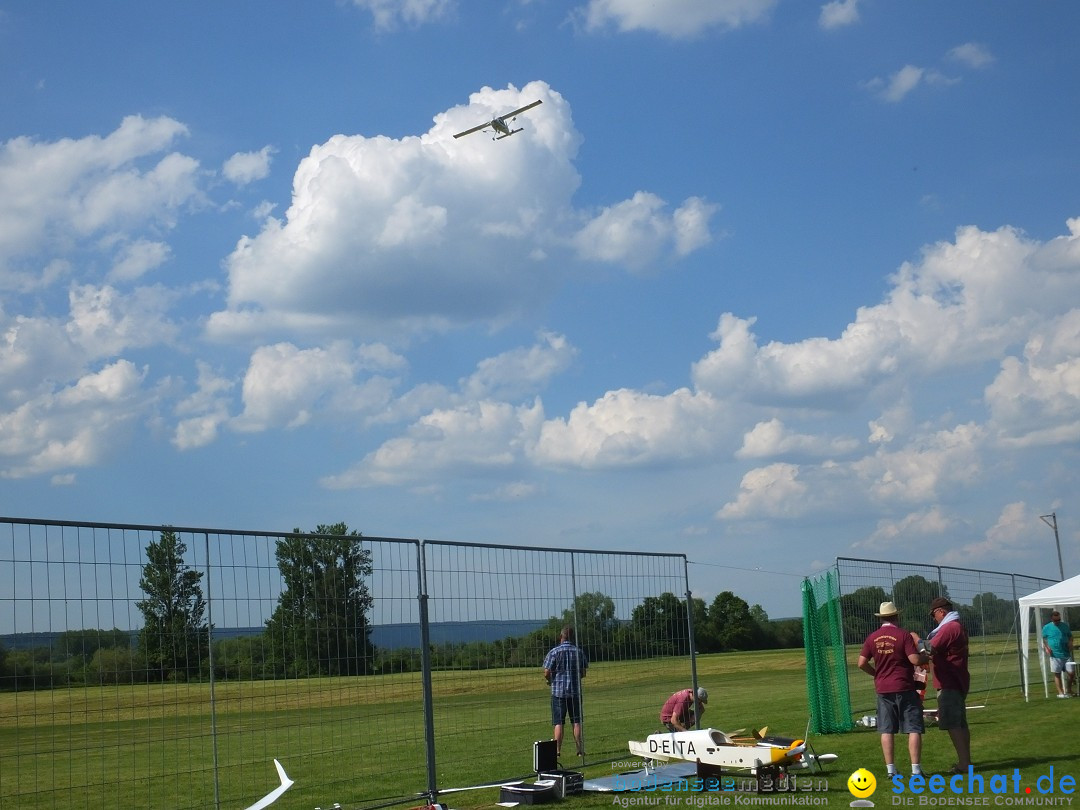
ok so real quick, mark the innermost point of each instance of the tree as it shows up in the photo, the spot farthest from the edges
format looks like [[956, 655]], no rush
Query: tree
[[704, 637], [82, 644], [174, 634], [913, 594], [994, 614], [593, 617], [858, 609], [732, 622], [659, 625], [320, 625]]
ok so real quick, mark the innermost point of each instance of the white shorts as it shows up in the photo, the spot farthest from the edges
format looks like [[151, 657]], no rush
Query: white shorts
[[1057, 665]]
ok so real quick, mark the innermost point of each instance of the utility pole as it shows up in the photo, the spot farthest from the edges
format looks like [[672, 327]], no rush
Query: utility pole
[[1052, 523]]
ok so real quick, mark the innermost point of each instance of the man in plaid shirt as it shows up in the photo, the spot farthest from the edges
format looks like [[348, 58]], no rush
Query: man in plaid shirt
[[564, 667]]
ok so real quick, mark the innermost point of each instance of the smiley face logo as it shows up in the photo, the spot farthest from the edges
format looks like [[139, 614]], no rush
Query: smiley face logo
[[861, 783]]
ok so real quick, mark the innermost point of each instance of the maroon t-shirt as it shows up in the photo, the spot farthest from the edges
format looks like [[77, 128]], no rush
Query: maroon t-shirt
[[889, 647], [679, 705], [950, 645]]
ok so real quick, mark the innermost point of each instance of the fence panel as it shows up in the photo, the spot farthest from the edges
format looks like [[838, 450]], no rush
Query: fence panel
[[490, 712], [147, 666], [986, 601], [101, 707]]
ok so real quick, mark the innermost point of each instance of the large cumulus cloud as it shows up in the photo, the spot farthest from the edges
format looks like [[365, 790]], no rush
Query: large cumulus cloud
[[432, 232]]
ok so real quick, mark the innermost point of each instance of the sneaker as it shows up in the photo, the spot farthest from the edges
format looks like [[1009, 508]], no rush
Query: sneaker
[[1063, 695]]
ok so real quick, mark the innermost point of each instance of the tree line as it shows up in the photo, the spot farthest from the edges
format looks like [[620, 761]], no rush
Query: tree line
[[988, 613], [320, 626]]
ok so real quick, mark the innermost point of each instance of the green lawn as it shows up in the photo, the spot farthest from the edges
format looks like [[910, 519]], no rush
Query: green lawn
[[359, 740]]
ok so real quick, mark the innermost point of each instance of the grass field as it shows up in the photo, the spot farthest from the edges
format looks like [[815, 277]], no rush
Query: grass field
[[356, 740]]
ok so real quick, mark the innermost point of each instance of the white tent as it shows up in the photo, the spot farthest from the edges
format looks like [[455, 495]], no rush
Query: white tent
[[1060, 595]]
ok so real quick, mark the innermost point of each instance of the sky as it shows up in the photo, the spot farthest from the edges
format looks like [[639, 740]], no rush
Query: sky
[[763, 282]]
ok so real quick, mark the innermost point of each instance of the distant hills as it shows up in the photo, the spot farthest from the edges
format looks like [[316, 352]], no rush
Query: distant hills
[[383, 636]]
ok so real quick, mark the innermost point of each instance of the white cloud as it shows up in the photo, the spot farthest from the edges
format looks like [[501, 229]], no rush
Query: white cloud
[[896, 419], [1009, 537], [285, 386], [38, 352], [389, 14], [204, 411], [514, 491], [638, 232], [926, 468], [1035, 400], [75, 426], [967, 301], [520, 372], [474, 439], [138, 258], [388, 236], [61, 193], [630, 429], [105, 321], [691, 222], [838, 13], [906, 532], [247, 167], [897, 87], [972, 54], [675, 18], [772, 438], [772, 491]]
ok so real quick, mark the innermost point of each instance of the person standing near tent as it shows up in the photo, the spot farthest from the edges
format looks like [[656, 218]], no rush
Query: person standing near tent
[[948, 643], [564, 667], [890, 656], [1058, 643]]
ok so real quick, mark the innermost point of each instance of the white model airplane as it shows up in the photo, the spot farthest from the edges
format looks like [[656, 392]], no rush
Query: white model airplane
[[714, 750], [500, 125], [277, 792]]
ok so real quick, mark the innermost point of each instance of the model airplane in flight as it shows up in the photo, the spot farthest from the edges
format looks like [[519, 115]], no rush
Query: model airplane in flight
[[502, 125], [715, 751]]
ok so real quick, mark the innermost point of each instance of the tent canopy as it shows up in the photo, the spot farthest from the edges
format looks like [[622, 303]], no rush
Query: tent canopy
[[1058, 596]]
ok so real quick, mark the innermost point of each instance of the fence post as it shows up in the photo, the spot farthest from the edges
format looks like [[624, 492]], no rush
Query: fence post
[[425, 669], [210, 663], [690, 632]]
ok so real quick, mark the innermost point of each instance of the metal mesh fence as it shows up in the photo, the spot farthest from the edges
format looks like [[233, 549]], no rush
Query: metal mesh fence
[[986, 601], [152, 666]]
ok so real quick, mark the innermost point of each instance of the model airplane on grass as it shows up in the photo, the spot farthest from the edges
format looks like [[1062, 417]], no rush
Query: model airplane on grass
[[500, 125], [715, 751]]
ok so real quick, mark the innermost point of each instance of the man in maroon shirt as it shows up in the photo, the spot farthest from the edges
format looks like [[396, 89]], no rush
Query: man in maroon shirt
[[949, 652], [681, 711], [889, 654]]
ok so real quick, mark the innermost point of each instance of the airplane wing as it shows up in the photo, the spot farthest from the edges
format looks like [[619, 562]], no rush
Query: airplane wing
[[277, 792], [474, 129], [522, 109]]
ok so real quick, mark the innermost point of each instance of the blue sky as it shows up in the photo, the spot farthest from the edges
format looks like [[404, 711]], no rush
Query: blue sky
[[762, 281]]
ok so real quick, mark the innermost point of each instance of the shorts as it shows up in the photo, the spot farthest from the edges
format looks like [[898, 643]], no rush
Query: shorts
[[899, 712], [562, 706], [951, 711], [1057, 665]]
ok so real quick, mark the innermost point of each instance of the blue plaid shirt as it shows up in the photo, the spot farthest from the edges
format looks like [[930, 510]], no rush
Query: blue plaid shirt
[[567, 664]]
